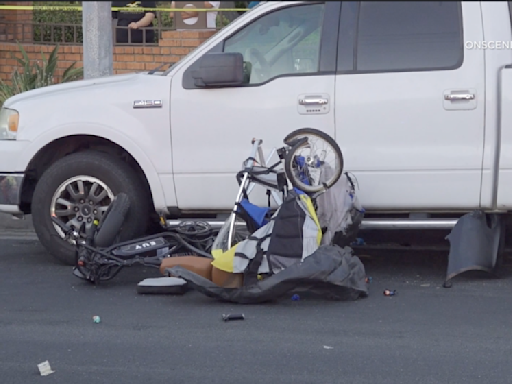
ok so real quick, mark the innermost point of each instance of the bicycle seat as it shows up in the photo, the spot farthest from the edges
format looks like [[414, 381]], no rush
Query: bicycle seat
[[292, 143]]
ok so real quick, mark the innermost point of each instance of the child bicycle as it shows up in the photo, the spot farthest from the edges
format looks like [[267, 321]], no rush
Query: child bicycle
[[99, 259]]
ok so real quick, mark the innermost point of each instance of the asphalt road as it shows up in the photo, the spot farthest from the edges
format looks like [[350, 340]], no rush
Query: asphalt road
[[425, 334]]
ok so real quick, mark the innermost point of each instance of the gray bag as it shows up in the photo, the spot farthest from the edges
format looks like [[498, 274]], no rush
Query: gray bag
[[339, 210], [332, 272]]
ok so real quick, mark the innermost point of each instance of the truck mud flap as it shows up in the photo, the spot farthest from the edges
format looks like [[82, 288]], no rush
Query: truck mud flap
[[473, 244]]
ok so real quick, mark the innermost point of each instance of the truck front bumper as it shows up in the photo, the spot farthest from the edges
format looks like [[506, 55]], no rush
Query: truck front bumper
[[12, 174], [10, 192]]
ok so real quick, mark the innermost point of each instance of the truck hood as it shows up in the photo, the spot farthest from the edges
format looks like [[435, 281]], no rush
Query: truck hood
[[107, 101], [72, 87]]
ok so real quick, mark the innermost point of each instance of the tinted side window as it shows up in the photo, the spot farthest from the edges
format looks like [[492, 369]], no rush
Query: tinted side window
[[284, 42], [409, 35]]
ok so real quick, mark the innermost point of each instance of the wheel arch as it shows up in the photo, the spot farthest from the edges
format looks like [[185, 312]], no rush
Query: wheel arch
[[54, 150]]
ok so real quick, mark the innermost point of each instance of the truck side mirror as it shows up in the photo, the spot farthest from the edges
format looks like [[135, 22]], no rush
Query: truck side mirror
[[219, 70]]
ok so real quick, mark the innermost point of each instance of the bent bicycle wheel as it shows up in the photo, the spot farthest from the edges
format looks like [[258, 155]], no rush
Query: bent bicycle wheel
[[304, 161], [112, 221]]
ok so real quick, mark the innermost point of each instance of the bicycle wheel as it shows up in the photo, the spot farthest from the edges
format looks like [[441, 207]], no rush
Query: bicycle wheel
[[303, 161], [112, 221]]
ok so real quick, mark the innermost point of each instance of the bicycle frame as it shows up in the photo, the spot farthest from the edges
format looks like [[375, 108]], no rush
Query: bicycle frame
[[105, 263], [249, 186]]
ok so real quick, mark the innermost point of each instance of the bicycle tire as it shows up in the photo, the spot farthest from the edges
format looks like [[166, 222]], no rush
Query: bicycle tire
[[112, 221], [288, 161]]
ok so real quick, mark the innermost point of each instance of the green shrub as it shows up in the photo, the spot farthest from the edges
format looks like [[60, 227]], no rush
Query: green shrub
[[48, 20], [36, 75], [163, 19], [47, 28], [55, 33], [222, 21]]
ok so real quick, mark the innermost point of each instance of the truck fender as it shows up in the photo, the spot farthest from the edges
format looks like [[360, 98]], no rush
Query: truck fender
[[114, 135]]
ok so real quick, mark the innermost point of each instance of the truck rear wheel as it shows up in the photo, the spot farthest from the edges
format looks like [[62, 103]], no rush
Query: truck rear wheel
[[79, 189]]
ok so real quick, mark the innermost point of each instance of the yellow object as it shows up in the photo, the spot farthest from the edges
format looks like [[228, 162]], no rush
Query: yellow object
[[224, 260], [312, 212]]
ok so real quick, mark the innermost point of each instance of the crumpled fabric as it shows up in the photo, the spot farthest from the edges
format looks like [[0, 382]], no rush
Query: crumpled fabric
[[331, 272], [338, 209]]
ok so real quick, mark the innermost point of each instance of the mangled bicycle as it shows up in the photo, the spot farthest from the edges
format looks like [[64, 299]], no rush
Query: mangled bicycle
[[301, 169]]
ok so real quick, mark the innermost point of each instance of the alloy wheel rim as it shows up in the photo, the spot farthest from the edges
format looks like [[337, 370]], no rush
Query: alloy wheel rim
[[79, 201]]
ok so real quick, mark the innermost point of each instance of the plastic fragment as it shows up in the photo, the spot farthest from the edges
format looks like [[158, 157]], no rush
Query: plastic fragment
[[233, 317], [96, 319], [327, 347], [389, 292], [44, 368], [359, 241], [368, 280], [295, 297]]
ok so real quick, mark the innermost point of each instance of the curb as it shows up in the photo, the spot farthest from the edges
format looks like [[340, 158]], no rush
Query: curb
[[10, 224]]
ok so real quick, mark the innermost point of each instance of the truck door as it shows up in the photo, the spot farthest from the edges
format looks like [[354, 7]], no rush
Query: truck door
[[410, 96], [292, 50]]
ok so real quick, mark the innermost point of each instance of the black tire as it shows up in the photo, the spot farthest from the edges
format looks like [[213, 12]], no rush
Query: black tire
[[288, 162], [113, 172], [112, 221]]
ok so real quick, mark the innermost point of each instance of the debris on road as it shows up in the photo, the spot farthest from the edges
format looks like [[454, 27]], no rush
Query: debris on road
[[327, 347], [164, 285], [96, 319], [474, 243], [388, 292], [368, 280], [44, 368], [359, 241], [295, 297], [233, 317]]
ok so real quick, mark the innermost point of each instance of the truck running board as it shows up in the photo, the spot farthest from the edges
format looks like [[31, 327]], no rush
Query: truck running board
[[366, 224]]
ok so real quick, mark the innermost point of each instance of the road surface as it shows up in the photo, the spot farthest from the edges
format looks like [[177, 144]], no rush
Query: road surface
[[425, 334]]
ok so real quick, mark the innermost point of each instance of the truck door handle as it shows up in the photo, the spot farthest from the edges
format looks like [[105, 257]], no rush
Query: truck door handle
[[461, 96], [313, 100]]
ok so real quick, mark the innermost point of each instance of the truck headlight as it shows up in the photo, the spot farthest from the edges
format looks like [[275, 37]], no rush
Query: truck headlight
[[9, 119]]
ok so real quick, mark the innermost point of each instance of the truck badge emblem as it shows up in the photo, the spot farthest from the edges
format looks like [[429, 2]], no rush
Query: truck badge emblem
[[147, 104]]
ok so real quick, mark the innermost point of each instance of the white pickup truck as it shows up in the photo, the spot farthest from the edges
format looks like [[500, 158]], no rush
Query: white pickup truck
[[417, 94]]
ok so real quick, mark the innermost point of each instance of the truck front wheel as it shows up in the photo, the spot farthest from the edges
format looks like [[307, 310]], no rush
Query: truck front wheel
[[79, 189]]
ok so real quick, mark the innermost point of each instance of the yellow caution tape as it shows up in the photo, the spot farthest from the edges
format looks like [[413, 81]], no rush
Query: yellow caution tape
[[130, 9]]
